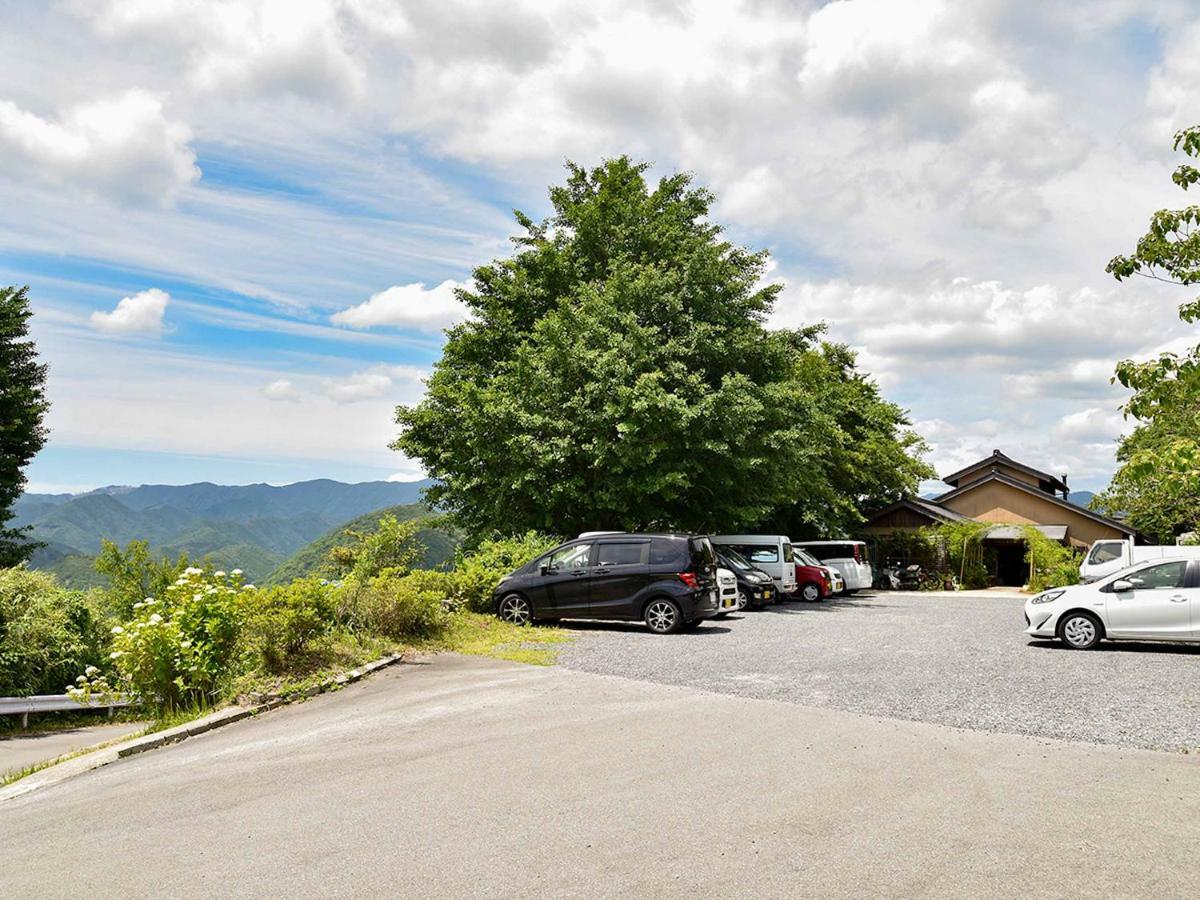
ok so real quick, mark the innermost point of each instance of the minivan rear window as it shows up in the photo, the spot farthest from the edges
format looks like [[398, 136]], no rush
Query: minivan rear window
[[702, 552], [666, 552], [629, 553]]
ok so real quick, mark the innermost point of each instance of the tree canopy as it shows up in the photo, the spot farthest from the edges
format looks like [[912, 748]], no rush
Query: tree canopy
[[617, 372], [23, 408], [1157, 483]]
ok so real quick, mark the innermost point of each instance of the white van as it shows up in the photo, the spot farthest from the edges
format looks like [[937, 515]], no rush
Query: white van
[[772, 553], [848, 557], [1108, 556]]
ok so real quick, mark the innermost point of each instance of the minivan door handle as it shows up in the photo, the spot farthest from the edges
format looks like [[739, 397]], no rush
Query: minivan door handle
[[575, 573], [1178, 598], [600, 570]]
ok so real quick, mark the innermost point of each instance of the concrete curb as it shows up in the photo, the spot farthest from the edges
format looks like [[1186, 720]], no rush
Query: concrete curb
[[94, 759]]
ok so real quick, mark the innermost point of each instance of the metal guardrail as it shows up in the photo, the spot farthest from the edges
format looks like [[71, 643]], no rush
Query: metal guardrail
[[23, 706]]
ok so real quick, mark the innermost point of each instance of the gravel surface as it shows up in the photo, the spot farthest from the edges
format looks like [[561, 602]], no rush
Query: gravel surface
[[945, 659]]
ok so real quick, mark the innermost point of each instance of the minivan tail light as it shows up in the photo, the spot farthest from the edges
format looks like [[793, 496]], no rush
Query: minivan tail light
[[857, 553], [690, 579]]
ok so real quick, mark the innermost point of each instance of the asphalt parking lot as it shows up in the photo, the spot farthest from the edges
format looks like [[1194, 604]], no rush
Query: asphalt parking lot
[[950, 660], [468, 777]]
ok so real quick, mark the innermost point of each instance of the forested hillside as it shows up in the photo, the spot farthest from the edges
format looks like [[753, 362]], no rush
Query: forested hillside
[[254, 527], [440, 543]]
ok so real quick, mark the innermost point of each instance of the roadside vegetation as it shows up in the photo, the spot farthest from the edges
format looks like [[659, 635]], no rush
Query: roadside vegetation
[[180, 639], [954, 555]]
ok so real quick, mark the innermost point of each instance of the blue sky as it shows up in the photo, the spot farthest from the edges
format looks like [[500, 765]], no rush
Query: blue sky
[[242, 223]]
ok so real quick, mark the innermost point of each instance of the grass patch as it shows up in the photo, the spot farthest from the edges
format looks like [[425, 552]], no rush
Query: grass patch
[[476, 634], [325, 658]]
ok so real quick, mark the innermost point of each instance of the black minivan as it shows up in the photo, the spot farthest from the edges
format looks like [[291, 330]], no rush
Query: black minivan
[[668, 581]]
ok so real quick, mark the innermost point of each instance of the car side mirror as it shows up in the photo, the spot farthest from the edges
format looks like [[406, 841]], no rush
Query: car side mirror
[[1120, 586], [545, 567]]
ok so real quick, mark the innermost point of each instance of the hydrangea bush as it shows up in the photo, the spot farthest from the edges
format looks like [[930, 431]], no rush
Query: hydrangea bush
[[181, 649]]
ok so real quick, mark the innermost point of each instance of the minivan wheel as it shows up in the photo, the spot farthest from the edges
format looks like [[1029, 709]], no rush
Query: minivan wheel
[[810, 592], [1079, 631], [663, 616], [516, 609]]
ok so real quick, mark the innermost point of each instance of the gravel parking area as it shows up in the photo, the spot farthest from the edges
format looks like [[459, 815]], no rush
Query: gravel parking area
[[961, 661]]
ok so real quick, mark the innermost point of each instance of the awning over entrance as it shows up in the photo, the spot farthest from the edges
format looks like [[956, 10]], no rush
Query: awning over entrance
[[1016, 532]]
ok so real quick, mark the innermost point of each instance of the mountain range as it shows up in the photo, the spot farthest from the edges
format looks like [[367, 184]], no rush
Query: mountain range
[[254, 527]]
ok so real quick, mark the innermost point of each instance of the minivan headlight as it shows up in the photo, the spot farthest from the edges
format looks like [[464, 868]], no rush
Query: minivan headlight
[[1047, 597]]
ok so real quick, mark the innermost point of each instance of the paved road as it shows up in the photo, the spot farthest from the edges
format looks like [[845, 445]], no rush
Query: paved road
[[475, 778], [18, 752], [954, 660]]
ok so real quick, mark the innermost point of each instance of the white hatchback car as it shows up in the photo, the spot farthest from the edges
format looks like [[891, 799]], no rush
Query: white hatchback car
[[1153, 601]]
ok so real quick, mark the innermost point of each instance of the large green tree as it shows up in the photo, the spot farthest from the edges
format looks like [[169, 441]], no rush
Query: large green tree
[[23, 408], [1157, 483], [616, 372]]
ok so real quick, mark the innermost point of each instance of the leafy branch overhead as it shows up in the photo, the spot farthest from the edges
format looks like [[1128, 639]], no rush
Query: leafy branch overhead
[[1170, 250], [617, 372], [1157, 483]]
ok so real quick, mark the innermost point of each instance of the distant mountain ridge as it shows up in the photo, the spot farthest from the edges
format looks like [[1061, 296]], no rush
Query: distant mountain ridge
[[254, 527]]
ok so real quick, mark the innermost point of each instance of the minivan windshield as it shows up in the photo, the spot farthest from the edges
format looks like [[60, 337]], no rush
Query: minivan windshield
[[736, 559], [807, 558]]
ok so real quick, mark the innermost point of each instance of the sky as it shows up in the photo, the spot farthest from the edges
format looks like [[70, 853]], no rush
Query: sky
[[242, 223]]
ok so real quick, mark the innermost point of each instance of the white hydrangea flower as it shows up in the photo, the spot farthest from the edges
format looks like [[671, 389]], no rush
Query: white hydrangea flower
[[90, 670], [192, 570], [115, 654], [236, 572], [218, 574], [155, 619]]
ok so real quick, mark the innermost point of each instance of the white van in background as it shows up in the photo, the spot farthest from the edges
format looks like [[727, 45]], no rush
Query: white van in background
[[848, 557], [1108, 556], [772, 553]]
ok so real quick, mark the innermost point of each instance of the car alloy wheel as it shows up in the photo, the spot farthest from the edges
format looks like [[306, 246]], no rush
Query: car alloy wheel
[[1080, 631], [743, 600], [662, 617], [811, 592], [515, 608]]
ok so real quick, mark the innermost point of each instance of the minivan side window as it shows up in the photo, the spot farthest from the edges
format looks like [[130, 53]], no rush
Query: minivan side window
[[573, 557], [625, 554], [787, 553], [666, 552], [1106, 552]]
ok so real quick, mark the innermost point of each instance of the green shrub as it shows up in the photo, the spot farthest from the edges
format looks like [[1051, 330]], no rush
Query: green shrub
[[182, 650], [48, 634], [966, 557], [401, 606], [1050, 563], [134, 574], [392, 546], [477, 573], [282, 621]]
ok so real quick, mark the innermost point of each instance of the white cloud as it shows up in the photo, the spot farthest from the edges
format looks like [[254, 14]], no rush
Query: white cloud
[[140, 314], [401, 382], [123, 147], [407, 306], [249, 48], [282, 389], [1093, 425]]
